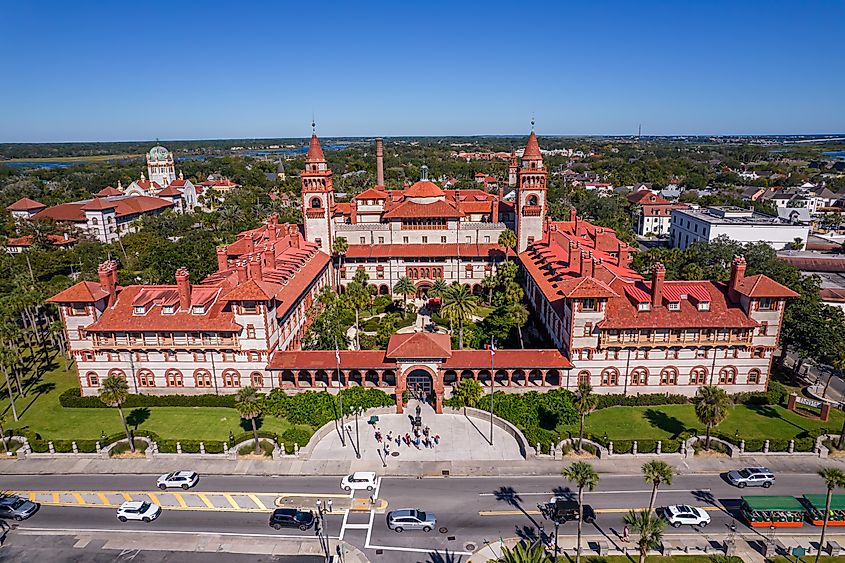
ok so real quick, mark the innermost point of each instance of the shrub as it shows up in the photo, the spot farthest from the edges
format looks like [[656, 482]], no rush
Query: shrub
[[213, 446], [123, 447], [805, 444], [645, 400], [623, 446], [167, 446], [778, 445], [670, 446], [39, 446], [87, 446], [190, 446], [71, 398], [295, 435], [266, 448], [646, 446], [754, 445], [718, 447]]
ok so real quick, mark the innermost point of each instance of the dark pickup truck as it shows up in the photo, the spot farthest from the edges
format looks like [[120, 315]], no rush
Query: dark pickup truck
[[561, 509]]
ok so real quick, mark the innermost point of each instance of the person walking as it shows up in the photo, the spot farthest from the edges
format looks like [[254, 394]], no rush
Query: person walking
[[625, 533]]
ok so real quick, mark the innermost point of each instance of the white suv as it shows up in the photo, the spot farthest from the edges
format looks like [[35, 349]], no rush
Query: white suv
[[358, 481], [184, 479], [679, 514], [752, 477], [138, 510]]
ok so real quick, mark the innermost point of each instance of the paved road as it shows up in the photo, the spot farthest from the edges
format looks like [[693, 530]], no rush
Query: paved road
[[472, 510]]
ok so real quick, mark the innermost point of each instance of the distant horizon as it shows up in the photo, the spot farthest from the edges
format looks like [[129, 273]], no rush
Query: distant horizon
[[121, 70]]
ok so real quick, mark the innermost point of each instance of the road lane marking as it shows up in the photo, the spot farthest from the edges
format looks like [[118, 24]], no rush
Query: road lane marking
[[63, 531], [126, 496], [257, 501], [32, 497], [517, 494], [55, 498], [104, 499], [180, 500], [204, 498], [79, 498], [231, 501], [596, 510], [154, 498]]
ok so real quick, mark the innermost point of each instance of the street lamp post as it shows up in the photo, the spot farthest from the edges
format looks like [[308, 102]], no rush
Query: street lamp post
[[492, 380], [322, 532], [358, 411], [339, 395]]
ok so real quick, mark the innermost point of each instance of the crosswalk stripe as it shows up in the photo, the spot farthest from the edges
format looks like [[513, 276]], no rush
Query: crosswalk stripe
[[257, 501], [180, 500], [231, 501], [204, 498]]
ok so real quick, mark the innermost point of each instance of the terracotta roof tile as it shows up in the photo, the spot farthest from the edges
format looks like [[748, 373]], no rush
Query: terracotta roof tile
[[419, 345], [532, 148], [524, 359], [424, 188], [25, 204], [412, 210], [763, 286], [315, 151], [107, 191], [82, 292]]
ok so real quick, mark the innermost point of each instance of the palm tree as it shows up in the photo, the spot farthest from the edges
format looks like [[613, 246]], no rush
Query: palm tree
[[340, 247], [459, 305], [522, 553], [249, 407], [358, 297], [490, 283], [833, 478], [3, 432], [114, 392], [656, 473], [518, 315], [585, 477], [438, 287], [405, 287], [711, 407], [585, 402], [507, 240], [650, 529]]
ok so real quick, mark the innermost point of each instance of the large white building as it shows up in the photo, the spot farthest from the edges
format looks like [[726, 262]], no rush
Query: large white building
[[741, 225]]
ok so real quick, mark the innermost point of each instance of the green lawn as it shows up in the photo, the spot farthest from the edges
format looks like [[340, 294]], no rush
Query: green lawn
[[43, 414], [665, 421], [652, 559]]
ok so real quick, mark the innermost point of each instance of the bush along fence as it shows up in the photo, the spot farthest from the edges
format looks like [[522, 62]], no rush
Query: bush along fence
[[689, 446]]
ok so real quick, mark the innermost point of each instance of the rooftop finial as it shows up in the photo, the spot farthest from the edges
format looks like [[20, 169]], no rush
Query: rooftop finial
[[532, 123], [313, 125], [423, 173]]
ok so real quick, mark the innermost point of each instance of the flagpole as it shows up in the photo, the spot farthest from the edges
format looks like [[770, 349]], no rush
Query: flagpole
[[492, 380], [339, 392]]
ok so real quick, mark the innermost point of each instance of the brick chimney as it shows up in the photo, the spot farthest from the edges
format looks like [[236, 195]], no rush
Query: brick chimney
[[573, 213], [255, 271], [107, 281], [379, 162], [113, 265], [737, 275], [269, 257], [494, 216], [222, 262], [241, 269], [586, 264], [658, 276], [184, 286]]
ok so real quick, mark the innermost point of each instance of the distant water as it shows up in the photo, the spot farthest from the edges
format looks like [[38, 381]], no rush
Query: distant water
[[48, 164], [835, 154]]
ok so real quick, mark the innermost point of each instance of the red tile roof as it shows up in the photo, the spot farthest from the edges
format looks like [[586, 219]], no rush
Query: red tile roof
[[107, 191], [326, 360], [170, 191], [26, 240], [524, 359], [82, 292], [124, 206], [25, 204], [532, 148], [653, 198], [424, 189], [419, 345], [99, 204], [423, 250], [579, 288], [763, 286], [371, 193], [413, 210], [315, 151]]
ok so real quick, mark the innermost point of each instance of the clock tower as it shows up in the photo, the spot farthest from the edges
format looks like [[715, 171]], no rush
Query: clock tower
[[317, 196]]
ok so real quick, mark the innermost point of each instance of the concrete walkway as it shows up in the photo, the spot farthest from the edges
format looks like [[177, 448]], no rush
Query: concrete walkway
[[460, 438]]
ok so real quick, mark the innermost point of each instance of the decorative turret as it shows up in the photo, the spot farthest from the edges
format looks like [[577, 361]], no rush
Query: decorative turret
[[317, 195], [530, 194]]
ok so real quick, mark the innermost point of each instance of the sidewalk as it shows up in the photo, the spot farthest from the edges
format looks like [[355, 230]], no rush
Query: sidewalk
[[296, 467]]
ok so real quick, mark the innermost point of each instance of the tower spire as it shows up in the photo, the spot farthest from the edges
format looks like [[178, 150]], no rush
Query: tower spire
[[532, 123]]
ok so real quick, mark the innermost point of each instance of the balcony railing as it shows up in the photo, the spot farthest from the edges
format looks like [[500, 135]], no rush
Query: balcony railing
[[683, 339], [104, 342]]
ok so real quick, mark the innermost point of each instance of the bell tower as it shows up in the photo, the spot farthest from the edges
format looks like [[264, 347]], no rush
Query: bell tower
[[530, 194], [317, 195]]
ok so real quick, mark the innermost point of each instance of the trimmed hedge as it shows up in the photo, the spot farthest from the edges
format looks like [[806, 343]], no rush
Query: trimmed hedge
[[72, 399], [123, 447], [266, 448], [645, 400], [295, 435]]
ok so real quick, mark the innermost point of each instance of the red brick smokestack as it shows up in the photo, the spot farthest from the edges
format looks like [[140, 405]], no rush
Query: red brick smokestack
[[222, 262], [269, 257], [184, 287], [658, 276], [107, 280], [113, 264], [255, 271], [495, 210], [379, 161], [586, 264], [737, 275], [241, 269]]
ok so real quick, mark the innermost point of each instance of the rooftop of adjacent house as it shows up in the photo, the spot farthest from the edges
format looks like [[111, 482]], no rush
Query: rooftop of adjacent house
[[728, 215]]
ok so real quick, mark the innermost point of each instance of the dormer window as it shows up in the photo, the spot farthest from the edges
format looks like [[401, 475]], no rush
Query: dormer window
[[588, 304], [198, 310], [644, 306], [674, 306], [139, 310], [766, 304], [703, 305]]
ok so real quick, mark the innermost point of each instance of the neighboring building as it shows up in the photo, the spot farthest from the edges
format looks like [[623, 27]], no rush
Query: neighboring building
[[16, 245], [161, 181], [742, 225], [652, 213]]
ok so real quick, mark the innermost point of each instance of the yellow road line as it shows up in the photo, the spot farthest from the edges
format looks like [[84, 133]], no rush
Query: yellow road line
[[257, 501], [79, 498], [103, 498], [317, 495], [126, 496], [33, 496], [180, 500], [55, 498], [597, 511], [154, 498], [232, 501], [204, 498]]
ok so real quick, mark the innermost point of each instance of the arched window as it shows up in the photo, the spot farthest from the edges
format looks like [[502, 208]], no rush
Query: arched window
[[231, 378], [94, 221], [146, 378], [202, 378], [174, 378], [117, 373], [639, 376], [727, 376], [316, 203], [93, 379], [583, 377], [668, 376], [256, 379], [532, 200], [754, 377], [698, 376], [610, 376]]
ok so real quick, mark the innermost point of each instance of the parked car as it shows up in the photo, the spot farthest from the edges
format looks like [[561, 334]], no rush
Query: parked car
[[752, 477], [17, 508], [291, 518], [411, 519], [184, 479], [563, 509], [138, 510], [680, 514], [358, 481]]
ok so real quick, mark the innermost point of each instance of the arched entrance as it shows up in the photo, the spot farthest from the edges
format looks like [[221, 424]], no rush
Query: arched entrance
[[422, 289], [419, 383]]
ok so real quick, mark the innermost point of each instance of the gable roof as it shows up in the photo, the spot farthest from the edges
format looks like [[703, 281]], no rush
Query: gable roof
[[26, 204], [419, 345], [107, 191], [412, 209], [763, 286], [82, 292]]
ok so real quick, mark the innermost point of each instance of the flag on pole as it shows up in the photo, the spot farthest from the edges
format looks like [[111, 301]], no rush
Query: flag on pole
[[337, 355], [492, 347]]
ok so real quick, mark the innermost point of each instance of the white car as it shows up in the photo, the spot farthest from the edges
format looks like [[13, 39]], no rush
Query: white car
[[358, 481], [679, 514], [138, 510], [184, 479]]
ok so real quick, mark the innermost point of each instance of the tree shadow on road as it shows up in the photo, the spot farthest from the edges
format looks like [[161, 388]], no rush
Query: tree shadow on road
[[511, 497], [444, 557]]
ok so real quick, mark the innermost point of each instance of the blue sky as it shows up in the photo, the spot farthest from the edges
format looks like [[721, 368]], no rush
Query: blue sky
[[99, 71]]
